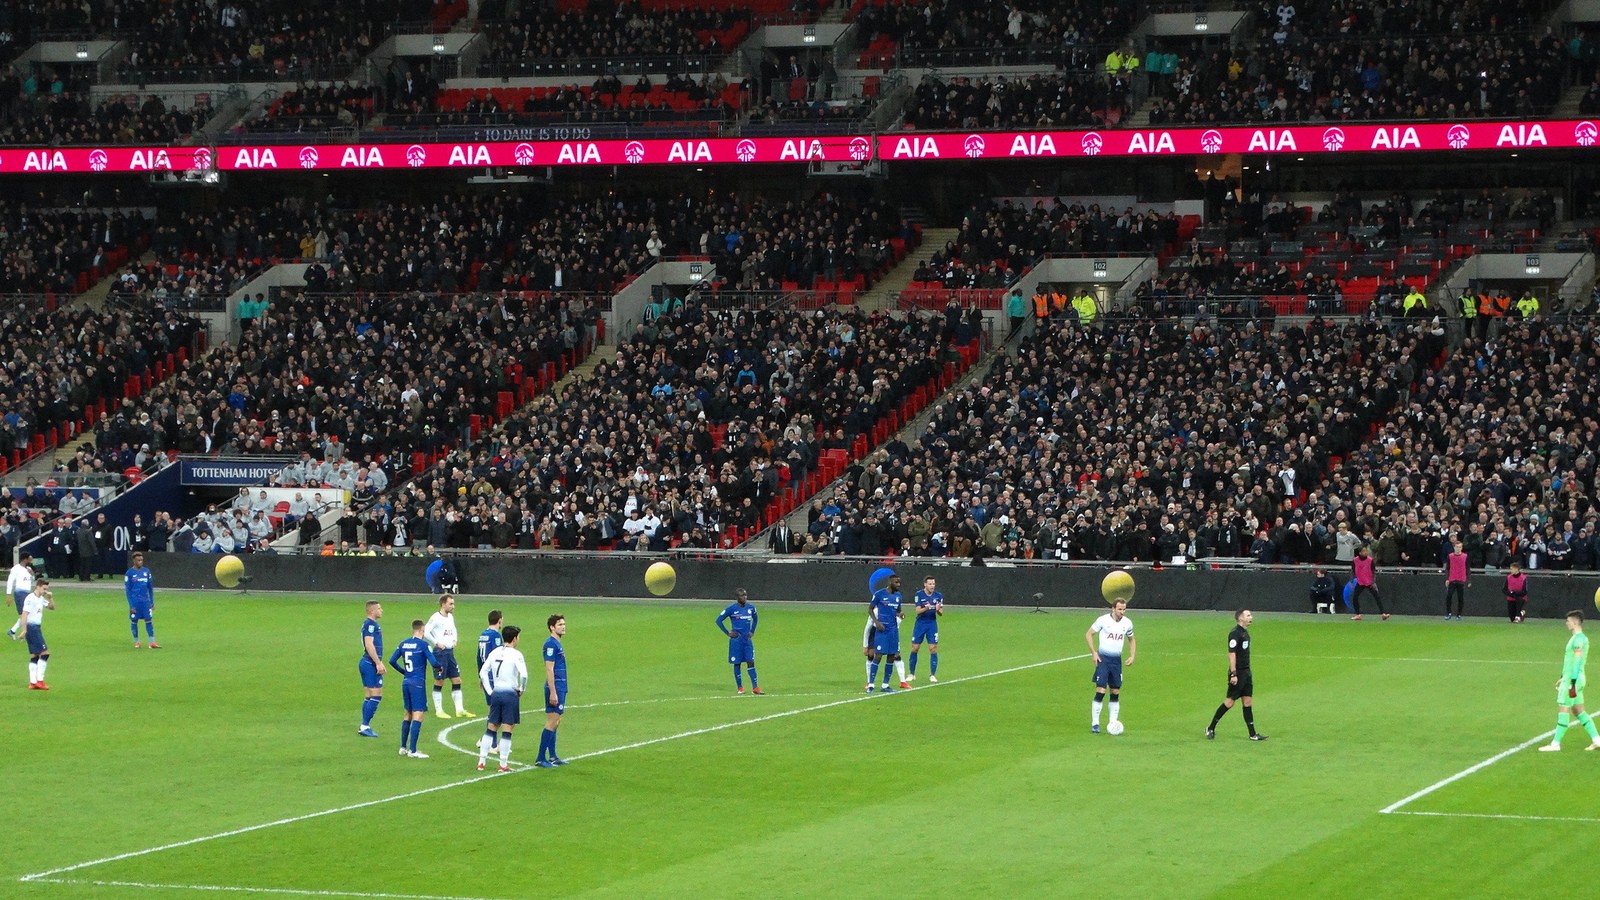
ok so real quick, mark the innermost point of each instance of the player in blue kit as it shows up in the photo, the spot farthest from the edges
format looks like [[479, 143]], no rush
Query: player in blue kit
[[555, 691], [886, 615], [488, 640], [413, 657], [930, 606], [140, 587], [371, 667], [741, 637]]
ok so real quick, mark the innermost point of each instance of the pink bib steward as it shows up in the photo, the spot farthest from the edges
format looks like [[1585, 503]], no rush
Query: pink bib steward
[[1458, 567], [1364, 576]]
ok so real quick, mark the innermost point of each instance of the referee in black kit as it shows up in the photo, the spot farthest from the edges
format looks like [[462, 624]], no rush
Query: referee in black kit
[[1239, 686]]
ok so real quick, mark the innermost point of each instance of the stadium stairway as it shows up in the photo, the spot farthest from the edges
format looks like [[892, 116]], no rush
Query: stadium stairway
[[883, 295]]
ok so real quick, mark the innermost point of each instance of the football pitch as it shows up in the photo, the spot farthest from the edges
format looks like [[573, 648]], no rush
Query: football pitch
[[1400, 761]]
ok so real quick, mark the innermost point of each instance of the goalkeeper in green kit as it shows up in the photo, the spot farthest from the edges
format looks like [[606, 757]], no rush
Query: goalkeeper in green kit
[[1569, 690]]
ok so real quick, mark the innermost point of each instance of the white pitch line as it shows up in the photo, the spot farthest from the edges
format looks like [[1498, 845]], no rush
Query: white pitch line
[[1393, 807], [289, 820], [233, 889], [1467, 815]]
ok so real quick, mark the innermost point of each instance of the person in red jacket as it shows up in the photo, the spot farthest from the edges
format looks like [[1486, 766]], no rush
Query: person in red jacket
[[1516, 594]]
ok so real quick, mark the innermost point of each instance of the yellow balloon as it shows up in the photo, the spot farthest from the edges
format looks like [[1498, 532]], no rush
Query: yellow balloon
[[660, 579]]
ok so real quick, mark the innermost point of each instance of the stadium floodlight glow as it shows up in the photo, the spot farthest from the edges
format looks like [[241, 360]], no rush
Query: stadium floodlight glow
[[82, 51], [809, 34], [1201, 22], [438, 45]]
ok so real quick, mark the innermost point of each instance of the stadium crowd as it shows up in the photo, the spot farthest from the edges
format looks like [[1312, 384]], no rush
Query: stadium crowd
[[973, 32], [1137, 440], [47, 249], [249, 40], [31, 117], [702, 417], [57, 364], [490, 242], [534, 42], [1353, 76], [1054, 100], [353, 380], [316, 107]]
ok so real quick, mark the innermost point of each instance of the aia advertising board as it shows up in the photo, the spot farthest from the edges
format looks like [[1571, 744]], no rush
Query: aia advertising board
[[899, 146]]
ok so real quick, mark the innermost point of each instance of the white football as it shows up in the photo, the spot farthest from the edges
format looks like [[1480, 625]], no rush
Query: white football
[[1114, 728]]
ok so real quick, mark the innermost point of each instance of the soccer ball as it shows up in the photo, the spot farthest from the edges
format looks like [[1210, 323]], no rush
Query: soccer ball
[[1114, 728]]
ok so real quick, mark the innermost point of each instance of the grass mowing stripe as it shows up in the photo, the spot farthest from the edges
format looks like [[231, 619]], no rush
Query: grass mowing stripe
[[1393, 807], [37, 876], [237, 889], [805, 709]]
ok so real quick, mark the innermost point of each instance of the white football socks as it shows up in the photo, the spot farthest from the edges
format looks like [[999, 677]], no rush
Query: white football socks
[[1096, 704], [505, 749], [900, 668], [1115, 706], [455, 694], [438, 701]]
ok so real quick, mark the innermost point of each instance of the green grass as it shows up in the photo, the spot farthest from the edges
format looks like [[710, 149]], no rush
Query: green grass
[[979, 786]]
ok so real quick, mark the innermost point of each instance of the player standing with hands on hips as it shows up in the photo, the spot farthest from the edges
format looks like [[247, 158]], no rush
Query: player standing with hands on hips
[[930, 606], [140, 587], [1114, 629], [1240, 684], [1569, 687], [371, 666], [741, 637]]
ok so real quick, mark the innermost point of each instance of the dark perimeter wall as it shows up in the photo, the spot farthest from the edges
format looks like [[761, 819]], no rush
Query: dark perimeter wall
[[801, 578]]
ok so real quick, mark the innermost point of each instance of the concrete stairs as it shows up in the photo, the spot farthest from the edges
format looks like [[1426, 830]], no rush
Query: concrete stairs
[[1141, 116], [881, 297], [1567, 106]]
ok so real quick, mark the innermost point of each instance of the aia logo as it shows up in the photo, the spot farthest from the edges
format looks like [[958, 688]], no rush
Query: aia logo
[[416, 156], [523, 154], [1585, 133], [1458, 137], [202, 158], [1092, 144], [1211, 140], [745, 150], [1333, 140], [97, 160], [308, 157], [860, 148], [973, 145], [633, 152]]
